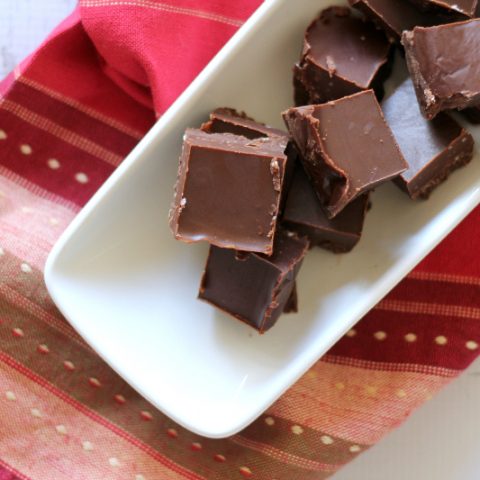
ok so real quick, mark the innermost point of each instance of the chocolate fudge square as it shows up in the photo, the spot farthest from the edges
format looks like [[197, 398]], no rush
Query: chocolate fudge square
[[252, 287], [304, 215], [342, 54], [444, 62], [346, 148], [433, 149], [229, 190]]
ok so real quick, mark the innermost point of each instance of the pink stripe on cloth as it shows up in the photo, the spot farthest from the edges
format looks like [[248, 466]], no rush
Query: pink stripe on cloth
[[389, 366], [285, 457], [48, 436], [422, 308], [26, 218], [353, 403], [60, 132], [27, 151], [9, 473], [37, 190], [444, 277], [163, 7], [76, 105], [55, 321], [236, 10]]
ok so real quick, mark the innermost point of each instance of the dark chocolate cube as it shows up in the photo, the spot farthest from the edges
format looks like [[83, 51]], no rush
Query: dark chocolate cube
[[229, 190], [433, 149], [346, 148], [304, 214], [444, 62], [342, 54], [252, 287]]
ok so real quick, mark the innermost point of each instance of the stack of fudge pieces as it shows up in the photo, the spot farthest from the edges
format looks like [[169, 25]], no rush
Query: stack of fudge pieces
[[233, 179], [262, 196]]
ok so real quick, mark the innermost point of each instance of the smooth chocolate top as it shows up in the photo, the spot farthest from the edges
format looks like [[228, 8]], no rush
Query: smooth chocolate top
[[228, 190], [229, 120], [420, 140], [445, 64], [346, 46], [395, 16], [303, 208], [346, 147], [464, 7], [253, 287]]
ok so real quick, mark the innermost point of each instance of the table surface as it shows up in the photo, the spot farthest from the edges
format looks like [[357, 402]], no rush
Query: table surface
[[441, 440]]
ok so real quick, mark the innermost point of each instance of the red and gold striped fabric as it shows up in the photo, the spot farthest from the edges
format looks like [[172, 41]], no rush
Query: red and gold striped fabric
[[68, 116]]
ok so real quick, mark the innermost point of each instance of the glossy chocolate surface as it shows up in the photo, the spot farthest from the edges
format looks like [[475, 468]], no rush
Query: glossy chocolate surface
[[346, 148], [432, 148], [254, 288], [444, 62], [228, 190], [395, 16], [304, 214], [229, 120], [342, 54]]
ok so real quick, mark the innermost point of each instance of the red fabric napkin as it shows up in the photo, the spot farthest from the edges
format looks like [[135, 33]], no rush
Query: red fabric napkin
[[68, 116]]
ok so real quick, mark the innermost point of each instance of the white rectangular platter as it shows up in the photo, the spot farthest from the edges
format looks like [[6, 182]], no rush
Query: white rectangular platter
[[130, 289]]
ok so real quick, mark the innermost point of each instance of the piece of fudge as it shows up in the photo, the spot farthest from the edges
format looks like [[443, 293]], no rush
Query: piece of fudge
[[444, 62], [304, 215], [229, 120], [395, 16], [432, 149], [229, 190], [342, 54], [346, 148], [466, 8], [252, 287]]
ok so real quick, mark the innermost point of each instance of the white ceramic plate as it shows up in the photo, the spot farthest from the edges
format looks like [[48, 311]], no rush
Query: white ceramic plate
[[130, 289]]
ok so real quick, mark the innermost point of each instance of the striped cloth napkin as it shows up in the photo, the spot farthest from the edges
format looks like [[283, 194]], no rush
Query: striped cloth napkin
[[68, 116]]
